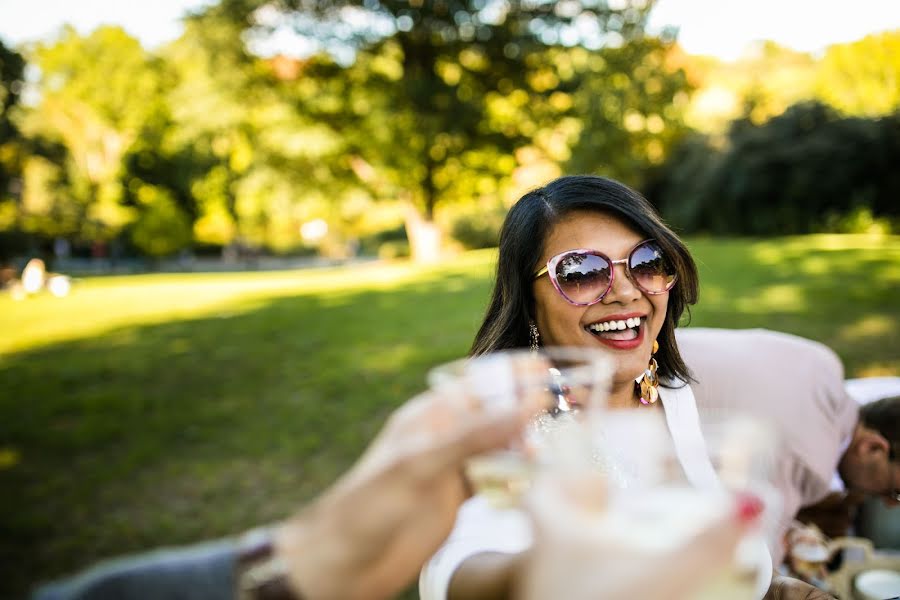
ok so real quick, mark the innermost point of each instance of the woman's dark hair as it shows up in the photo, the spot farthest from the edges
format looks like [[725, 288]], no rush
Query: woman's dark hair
[[522, 239]]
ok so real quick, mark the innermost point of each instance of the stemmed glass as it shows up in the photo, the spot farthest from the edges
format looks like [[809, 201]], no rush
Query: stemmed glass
[[743, 451], [565, 383], [652, 507]]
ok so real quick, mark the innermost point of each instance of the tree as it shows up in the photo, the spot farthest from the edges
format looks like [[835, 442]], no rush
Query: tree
[[809, 169], [253, 162], [431, 99], [862, 78], [12, 66], [97, 94]]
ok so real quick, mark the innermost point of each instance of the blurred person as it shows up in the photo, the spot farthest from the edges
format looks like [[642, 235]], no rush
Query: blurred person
[[585, 261], [834, 451]]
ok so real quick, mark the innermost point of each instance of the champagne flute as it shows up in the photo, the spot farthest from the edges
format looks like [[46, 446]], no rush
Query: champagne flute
[[565, 382]]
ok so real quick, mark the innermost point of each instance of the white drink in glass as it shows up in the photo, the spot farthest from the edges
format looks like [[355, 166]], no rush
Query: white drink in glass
[[565, 381]]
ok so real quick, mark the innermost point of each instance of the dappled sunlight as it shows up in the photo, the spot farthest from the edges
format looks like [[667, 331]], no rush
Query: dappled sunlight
[[385, 361], [774, 298], [99, 305], [869, 326], [876, 370], [9, 458], [778, 250]]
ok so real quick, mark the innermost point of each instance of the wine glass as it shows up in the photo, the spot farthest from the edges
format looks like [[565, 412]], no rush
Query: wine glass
[[564, 382], [653, 508]]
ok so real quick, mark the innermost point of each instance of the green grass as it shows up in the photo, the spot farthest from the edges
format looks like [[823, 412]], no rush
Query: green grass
[[164, 409]]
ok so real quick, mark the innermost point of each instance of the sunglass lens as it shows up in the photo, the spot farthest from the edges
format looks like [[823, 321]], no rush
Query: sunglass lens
[[650, 268], [582, 277]]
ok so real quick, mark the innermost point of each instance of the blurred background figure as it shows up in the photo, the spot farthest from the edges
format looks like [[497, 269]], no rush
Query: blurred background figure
[[34, 275]]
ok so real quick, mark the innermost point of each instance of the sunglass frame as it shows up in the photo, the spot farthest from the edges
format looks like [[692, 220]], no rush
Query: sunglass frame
[[550, 270]]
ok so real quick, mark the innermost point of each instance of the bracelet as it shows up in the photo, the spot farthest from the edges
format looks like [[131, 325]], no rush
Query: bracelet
[[259, 573]]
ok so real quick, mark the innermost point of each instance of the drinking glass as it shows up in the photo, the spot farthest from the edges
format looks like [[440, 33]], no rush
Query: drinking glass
[[566, 383], [652, 507], [743, 451]]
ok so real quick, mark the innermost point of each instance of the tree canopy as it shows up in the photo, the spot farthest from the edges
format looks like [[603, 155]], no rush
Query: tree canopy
[[362, 116]]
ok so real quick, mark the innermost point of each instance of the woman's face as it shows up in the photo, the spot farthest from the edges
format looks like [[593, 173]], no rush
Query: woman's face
[[563, 324]]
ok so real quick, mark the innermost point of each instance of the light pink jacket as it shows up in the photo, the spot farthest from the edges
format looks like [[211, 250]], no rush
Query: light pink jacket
[[795, 384]]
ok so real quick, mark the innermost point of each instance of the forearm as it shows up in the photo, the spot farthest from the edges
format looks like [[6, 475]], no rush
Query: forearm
[[485, 576], [203, 572]]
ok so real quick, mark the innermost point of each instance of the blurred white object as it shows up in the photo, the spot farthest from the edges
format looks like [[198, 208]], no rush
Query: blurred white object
[[33, 276], [313, 231], [59, 285], [870, 389], [877, 584], [17, 291]]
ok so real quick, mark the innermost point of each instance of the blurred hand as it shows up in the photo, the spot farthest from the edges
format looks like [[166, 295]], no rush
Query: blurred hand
[[368, 536], [788, 588], [569, 560]]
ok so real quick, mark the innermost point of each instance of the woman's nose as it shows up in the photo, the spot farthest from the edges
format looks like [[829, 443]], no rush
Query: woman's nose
[[622, 288]]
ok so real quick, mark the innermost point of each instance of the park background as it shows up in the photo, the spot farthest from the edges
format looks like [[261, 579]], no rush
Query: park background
[[277, 221]]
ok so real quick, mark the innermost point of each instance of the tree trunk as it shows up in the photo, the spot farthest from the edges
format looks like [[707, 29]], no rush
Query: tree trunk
[[424, 237]]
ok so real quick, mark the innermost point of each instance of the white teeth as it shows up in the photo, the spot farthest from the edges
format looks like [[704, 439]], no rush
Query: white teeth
[[619, 325]]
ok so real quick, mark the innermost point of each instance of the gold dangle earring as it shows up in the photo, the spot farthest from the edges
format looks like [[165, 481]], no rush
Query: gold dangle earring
[[534, 336], [649, 382]]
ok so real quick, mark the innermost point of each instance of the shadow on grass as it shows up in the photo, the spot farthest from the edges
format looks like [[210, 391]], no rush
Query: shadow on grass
[[171, 433]]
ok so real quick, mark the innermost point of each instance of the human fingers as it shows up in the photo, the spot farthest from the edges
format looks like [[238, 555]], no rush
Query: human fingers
[[475, 431], [788, 588], [438, 430]]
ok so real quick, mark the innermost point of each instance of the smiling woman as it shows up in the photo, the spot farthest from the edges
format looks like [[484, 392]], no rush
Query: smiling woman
[[568, 230], [583, 262]]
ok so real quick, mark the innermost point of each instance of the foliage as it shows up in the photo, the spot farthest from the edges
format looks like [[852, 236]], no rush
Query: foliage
[[162, 228], [758, 86], [478, 226], [266, 115], [857, 78], [462, 101], [175, 408], [12, 66], [98, 93], [803, 171], [863, 77]]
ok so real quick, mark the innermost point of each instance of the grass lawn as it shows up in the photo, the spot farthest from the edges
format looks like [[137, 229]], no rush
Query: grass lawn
[[164, 409]]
